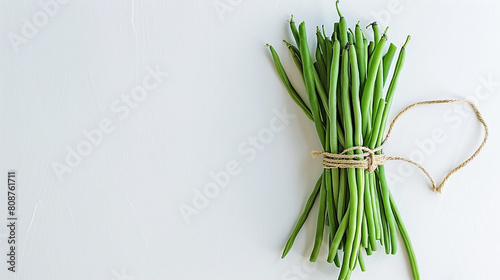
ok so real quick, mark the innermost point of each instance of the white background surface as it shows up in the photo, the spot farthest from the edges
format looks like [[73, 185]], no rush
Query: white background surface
[[116, 215]]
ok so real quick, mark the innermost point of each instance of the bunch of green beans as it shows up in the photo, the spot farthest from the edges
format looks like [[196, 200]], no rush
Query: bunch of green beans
[[349, 104]]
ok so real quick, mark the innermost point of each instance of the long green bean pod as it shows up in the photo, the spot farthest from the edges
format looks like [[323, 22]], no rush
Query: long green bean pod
[[364, 229], [341, 204], [358, 141], [294, 30], [309, 80], [379, 83], [291, 90], [378, 92], [338, 237], [361, 261], [328, 60], [303, 217], [351, 172], [334, 127], [360, 53], [327, 177], [371, 49], [387, 60], [392, 87], [296, 60], [321, 64], [320, 225], [367, 97], [377, 215], [406, 240], [369, 209], [376, 32]]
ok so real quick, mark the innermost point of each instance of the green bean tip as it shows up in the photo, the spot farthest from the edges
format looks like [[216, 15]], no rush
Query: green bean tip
[[407, 41], [338, 9]]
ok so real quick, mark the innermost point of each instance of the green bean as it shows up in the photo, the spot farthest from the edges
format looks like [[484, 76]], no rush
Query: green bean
[[351, 172], [321, 46], [358, 141], [291, 90], [342, 27], [296, 60], [309, 79], [321, 91], [341, 204], [376, 32], [336, 32], [379, 89], [385, 226], [344, 269], [367, 98], [348, 276], [406, 240], [387, 60], [295, 32], [389, 216], [334, 246], [377, 124], [392, 87], [327, 175], [320, 225], [365, 56], [370, 221], [371, 49], [361, 261], [321, 66], [360, 52], [369, 250], [321, 39], [303, 217], [379, 83], [335, 128], [324, 32], [336, 260], [342, 197], [377, 217], [324, 115], [353, 36], [340, 134], [293, 48], [328, 60], [350, 37], [364, 229]]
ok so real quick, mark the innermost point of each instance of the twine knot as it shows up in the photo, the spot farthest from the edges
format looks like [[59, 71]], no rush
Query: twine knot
[[364, 158]]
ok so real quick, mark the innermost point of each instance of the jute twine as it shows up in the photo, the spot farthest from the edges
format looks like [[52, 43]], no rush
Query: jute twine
[[369, 159]]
